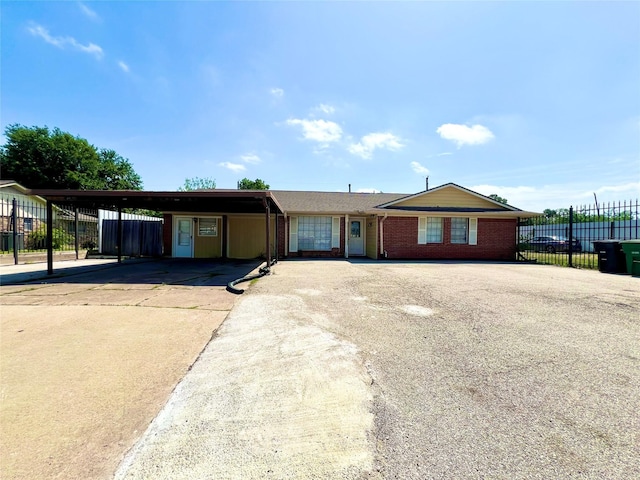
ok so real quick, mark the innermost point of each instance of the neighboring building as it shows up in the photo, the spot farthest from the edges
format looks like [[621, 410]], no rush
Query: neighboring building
[[31, 216]]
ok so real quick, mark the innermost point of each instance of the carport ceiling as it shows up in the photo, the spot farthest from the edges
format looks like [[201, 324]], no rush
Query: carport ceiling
[[227, 201]]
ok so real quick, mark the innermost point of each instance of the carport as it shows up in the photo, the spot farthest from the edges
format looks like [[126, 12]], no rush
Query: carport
[[203, 201]]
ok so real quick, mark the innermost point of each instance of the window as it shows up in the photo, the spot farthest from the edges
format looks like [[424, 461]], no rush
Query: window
[[430, 230], [208, 227], [434, 230], [314, 233], [459, 230], [464, 230], [28, 224]]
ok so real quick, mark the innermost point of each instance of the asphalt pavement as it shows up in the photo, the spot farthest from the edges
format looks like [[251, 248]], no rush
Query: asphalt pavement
[[410, 370]]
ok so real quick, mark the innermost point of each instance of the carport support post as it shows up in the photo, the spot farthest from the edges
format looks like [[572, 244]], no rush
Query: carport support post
[[49, 238], [268, 229], [119, 241], [75, 211], [14, 221]]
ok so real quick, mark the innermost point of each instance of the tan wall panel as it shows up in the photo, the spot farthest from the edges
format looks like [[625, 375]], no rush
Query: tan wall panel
[[207, 247], [372, 236], [447, 197], [247, 236]]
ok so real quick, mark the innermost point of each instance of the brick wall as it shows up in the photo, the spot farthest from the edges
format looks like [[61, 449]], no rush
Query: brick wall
[[167, 234], [496, 241]]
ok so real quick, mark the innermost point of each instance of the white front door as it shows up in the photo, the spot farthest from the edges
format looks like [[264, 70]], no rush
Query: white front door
[[183, 239], [356, 236]]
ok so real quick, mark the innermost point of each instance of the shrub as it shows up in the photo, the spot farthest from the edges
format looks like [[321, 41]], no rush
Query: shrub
[[38, 239]]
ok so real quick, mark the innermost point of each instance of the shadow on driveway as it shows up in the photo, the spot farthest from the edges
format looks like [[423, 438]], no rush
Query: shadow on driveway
[[165, 271]]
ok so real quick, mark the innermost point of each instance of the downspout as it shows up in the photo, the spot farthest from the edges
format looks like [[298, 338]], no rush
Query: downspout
[[346, 236], [383, 253]]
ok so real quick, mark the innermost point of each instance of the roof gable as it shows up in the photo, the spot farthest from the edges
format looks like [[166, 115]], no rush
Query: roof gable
[[448, 196]]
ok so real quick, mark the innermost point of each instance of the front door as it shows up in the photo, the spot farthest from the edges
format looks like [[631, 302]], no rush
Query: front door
[[356, 237], [183, 246]]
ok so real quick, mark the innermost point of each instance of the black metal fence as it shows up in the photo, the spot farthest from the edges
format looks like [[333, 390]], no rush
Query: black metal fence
[[23, 229], [566, 236]]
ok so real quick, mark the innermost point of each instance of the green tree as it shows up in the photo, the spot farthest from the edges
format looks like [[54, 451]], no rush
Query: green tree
[[197, 183], [257, 184], [41, 158], [498, 198]]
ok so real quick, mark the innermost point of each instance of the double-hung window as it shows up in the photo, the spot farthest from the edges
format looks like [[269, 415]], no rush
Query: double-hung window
[[464, 230], [459, 230], [429, 230]]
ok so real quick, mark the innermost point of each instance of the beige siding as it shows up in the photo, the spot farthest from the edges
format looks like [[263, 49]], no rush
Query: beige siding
[[372, 237], [206, 246], [247, 236], [447, 197]]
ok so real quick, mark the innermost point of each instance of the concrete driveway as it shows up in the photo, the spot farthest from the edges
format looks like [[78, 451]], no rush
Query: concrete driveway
[[324, 369], [88, 360], [347, 369]]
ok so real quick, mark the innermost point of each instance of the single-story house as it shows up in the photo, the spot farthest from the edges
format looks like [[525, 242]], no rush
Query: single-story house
[[445, 222]]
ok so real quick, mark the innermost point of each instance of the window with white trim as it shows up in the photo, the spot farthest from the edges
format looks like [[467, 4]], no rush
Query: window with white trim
[[314, 233], [464, 230], [434, 230], [429, 230], [459, 230]]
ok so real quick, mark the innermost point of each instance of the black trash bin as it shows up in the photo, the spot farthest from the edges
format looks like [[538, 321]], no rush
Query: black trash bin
[[611, 258]]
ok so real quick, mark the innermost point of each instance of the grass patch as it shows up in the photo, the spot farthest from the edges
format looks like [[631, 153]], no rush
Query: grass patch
[[579, 260]]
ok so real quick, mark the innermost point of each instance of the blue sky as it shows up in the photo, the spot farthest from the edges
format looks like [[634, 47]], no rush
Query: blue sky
[[538, 102]]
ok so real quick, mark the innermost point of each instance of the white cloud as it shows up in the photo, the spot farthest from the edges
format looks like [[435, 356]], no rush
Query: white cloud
[[419, 169], [631, 188], [250, 158], [277, 92], [234, 167], [444, 154], [88, 12], [323, 131], [369, 143], [537, 199], [123, 66], [465, 135], [328, 109], [62, 42]]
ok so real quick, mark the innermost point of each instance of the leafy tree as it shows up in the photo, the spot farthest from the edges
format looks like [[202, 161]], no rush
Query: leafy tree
[[41, 158], [257, 184], [116, 172], [197, 183], [498, 198]]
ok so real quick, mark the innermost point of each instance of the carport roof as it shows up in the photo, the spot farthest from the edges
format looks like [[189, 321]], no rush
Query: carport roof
[[232, 201]]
